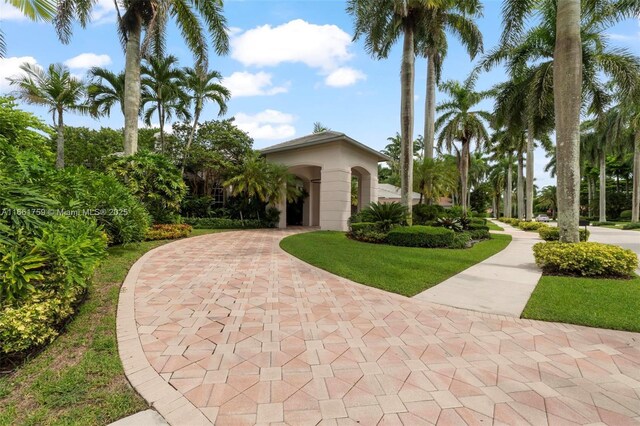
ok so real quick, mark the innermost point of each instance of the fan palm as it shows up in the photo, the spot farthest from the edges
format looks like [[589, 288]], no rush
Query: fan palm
[[459, 122], [382, 23], [151, 17], [162, 81], [455, 17], [56, 89], [202, 88]]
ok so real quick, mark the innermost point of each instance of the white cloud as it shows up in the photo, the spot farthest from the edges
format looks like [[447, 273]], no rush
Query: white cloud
[[10, 13], [248, 84], [87, 60], [104, 11], [625, 37], [10, 67], [324, 47], [268, 124], [343, 77]]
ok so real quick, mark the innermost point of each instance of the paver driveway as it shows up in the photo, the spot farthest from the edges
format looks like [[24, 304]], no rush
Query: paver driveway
[[227, 328]]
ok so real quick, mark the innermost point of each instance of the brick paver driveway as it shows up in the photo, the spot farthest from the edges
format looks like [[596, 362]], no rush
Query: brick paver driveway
[[227, 328]]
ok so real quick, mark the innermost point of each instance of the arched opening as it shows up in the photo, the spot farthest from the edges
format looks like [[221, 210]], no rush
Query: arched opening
[[361, 189], [295, 207], [305, 211]]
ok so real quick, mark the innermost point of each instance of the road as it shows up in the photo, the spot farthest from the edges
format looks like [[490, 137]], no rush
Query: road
[[626, 239]]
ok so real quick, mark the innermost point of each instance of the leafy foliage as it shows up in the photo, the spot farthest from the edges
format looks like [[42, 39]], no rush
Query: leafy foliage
[[385, 214], [168, 232], [421, 236], [552, 233]]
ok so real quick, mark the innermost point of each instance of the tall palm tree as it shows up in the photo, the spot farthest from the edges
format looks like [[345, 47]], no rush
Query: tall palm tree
[[105, 91], [548, 199], [594, 145], [460, 122], [434, 178], [151, 17], [382, 23], [497, 181], [202, 87], [56, 89], [35, 10], [454, 17], [162, 81], [505, 143]]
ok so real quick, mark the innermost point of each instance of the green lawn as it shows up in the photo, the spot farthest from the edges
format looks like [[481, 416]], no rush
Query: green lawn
[[493, 227], [402, 270], [600, 303], [78, 379]]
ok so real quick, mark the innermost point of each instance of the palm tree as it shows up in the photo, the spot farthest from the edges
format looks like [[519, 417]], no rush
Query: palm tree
[[56, 89], [382, 23], [454, 17], [35, 10], [593, 149], [497, 181], [105, 91], [548, 199], [152, 17], [162, 82], [459, 122], [318, 127], [560, 61], [504, 144], [434, 178], [203, 88]]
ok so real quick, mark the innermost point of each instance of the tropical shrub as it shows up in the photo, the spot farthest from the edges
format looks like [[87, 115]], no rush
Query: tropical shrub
[[631, 225], [168, 232], [603, 223], [585, 259], [423, 213], [420, 236], [155, 180], [478, 221], [461, 240], [452, 223], [193, 206], [386, 214], [369, 232], [552, 233], [625, 215], [224, 223], [531, 226], [479, 234]]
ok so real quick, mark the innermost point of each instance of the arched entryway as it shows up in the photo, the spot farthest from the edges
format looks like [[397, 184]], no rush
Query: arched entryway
[[361, 188], [305, 211]]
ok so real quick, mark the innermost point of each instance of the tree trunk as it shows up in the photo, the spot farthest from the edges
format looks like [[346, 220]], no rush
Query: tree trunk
[[508, 201], [430, 107], [161, 124], [406, 120], [498, 204], [196, 117], [464, 175], [635, 199], [132, 89], [520, 184], [603, 188], [529, 179], [567, 92], [60, 142], [589, 196]]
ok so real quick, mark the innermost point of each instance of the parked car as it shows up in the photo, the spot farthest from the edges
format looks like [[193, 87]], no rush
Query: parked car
[[543, 218]]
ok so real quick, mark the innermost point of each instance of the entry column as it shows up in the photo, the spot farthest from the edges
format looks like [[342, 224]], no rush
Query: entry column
[[368, 191], [335, 199]]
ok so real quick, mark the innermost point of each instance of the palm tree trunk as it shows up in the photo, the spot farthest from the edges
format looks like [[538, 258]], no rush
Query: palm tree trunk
[[529, 179], [132, 89], [603, 188], [196, 117], [464, 175], [635, 199], [567, 91], [430, 108], [520, 184], [406, 120], [589, 195], [508, 202], [161, 124], [60, 142]]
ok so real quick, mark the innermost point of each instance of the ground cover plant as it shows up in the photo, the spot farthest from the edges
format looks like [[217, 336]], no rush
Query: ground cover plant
[[405, 270]]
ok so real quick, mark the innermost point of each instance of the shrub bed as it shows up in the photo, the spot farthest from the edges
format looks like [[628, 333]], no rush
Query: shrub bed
[[224, 223], [171, 231], [551, 233], [603, 223], [368, 232], [462, 240], [421, 236], [585, 259], [631, 225], [531, 226], [625, 215]]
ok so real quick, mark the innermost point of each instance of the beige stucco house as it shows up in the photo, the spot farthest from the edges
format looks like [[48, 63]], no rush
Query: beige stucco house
[[325, 163]]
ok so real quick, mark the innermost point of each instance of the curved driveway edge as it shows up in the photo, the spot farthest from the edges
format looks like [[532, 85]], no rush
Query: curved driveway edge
[[229, 329]]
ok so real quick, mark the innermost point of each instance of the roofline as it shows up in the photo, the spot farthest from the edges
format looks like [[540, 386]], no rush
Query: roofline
[[277, 148]]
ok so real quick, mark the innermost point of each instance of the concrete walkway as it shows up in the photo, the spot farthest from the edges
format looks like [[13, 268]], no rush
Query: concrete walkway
[[501, 284], [229, 329]]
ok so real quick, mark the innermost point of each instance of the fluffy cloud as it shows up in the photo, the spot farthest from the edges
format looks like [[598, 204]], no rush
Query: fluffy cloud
[[625, 37], [10, 67], [248, 84], [87, 60], [318, 46], [104, 11], [268, 124], [10, 13], [343, 77]]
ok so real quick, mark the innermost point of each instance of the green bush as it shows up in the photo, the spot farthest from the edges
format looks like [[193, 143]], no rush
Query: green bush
[[461, 240], [479, 234], [625, 215], [452, 223], [477, 227], [631, 225], [368, 232], [603, 223], [171, 231], [423, 213], [531, 226], [552, 233], [224, 223], [478, 221], [386, 214], [585, 259], [420, 236]]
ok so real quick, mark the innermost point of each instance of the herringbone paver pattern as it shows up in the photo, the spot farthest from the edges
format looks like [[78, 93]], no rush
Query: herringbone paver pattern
[[250, 335]]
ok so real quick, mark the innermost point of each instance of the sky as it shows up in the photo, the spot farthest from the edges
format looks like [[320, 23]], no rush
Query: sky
[[291, 63]]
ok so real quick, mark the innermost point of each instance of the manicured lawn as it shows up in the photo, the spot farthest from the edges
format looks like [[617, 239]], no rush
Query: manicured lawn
[[493, 227], [402, 270], [586, 301], [78, 379]]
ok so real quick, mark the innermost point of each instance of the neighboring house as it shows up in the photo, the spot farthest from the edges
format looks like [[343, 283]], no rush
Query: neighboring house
[[388, 193]]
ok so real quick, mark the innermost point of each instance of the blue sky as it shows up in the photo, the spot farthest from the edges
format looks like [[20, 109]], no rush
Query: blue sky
[[291, 63]]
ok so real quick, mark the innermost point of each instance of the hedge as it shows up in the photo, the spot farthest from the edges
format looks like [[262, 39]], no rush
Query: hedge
[[531, 226], [224, 223], [631, 225], [551, 233], [421, 236], [585, 259]]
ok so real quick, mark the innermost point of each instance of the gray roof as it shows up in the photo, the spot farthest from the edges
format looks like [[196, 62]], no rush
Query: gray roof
[[386, 190], [320, 138]]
